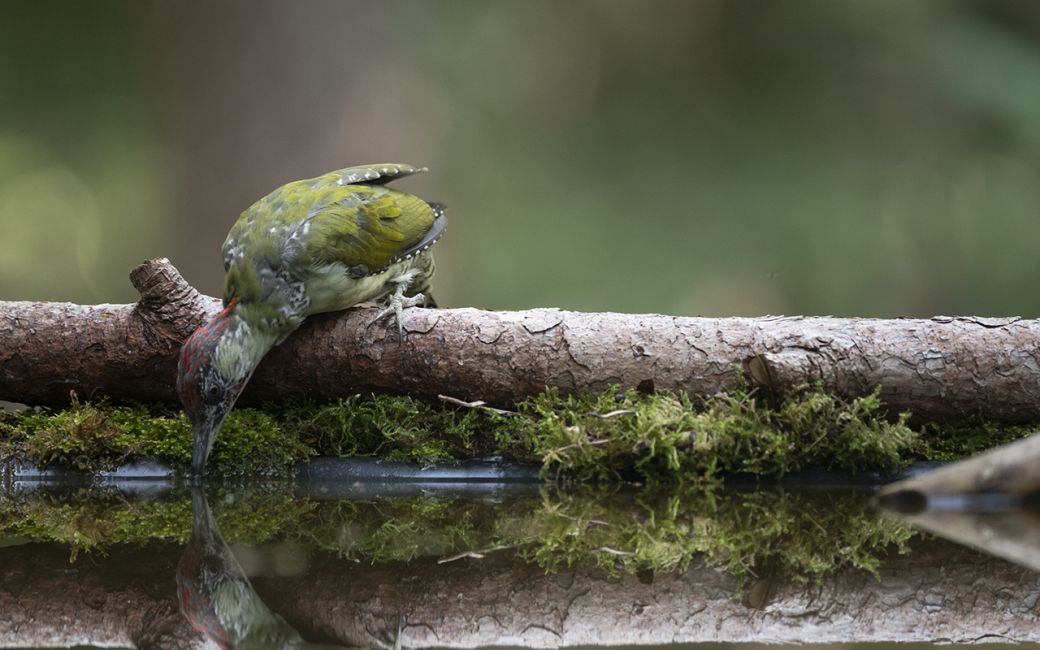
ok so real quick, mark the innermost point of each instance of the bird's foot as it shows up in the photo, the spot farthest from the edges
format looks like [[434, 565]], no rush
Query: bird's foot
[[396, 304]]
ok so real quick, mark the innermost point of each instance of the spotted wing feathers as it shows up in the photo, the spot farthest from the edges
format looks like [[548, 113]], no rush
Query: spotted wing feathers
[[379, 174]]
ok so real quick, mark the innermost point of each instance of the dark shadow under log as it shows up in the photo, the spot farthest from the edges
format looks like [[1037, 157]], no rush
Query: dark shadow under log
[[938, 368]]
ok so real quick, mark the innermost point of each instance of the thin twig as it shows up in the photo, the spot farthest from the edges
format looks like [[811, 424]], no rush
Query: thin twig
[[599, 522], [613, 414], [476, 555], [574, 445], [478, 404]]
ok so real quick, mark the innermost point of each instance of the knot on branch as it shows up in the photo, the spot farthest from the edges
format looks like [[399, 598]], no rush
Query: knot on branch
[[170, 308]]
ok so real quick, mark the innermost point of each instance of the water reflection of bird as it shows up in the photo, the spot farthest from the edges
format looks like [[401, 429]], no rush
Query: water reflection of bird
[[311, 246], [217, 598]]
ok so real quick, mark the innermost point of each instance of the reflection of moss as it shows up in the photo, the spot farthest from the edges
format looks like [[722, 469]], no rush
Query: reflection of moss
[[402, 529], [660, 437], [795, 535], [88, 519], [776, 534]]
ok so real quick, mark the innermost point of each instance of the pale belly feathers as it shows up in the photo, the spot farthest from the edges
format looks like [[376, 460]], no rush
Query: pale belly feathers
[[332, 288]]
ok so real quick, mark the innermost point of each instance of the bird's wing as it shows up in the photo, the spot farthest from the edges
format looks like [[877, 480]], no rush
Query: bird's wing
[[366, 227], [345, 216], [378, 174]]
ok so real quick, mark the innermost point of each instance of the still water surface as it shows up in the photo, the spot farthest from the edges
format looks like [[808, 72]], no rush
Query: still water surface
[[464, 565]]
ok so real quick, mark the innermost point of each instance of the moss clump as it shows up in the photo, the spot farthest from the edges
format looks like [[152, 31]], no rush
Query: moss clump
[[956, 440], [666, 435], [659, 437], [398, 427], [94, 437]]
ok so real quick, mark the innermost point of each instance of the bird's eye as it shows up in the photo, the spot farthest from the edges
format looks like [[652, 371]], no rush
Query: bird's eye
[[212, 394]]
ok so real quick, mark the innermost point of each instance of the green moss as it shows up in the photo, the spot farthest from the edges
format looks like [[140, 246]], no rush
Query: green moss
[[100, 436], [799, 536], [660, 437], [392, 426], [955, 440], [675, 436], [677, 446]]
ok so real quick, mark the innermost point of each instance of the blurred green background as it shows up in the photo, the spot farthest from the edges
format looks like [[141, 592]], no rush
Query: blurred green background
[[713, 157]]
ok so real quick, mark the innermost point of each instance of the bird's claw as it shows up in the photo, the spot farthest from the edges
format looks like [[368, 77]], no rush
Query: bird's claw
[[396, 304]]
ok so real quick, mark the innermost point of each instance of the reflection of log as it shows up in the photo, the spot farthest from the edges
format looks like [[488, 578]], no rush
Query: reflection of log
[[939, 592], [476, 602], [938, 368], [1013, 535], [120, 600]]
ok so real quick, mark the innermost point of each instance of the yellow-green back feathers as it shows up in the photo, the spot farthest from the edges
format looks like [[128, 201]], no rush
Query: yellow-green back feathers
[[345, 217]]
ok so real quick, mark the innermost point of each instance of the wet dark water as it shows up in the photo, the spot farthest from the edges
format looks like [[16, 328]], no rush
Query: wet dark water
[[461, 564]]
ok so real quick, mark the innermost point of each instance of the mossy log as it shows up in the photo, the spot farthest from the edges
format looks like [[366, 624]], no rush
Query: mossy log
[[937, 368], [939, 593]]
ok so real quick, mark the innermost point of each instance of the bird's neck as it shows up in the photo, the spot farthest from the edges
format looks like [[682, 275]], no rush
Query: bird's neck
[[241, 348]]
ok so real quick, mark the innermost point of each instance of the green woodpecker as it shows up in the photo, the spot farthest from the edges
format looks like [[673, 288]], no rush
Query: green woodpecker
[[311, 246]]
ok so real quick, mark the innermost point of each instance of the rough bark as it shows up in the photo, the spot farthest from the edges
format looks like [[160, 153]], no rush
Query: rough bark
[[939, 593], [939, 368]]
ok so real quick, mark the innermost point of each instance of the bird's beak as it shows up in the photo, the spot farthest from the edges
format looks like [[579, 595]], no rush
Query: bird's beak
[[205, 433]]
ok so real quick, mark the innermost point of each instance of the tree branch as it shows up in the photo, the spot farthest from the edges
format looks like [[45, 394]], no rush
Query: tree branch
[[939, 368]]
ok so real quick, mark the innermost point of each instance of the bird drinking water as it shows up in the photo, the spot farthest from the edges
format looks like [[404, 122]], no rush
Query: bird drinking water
[[311, 246]]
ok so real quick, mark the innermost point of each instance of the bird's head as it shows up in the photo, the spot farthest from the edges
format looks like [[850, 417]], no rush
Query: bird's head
[[208, 389]]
